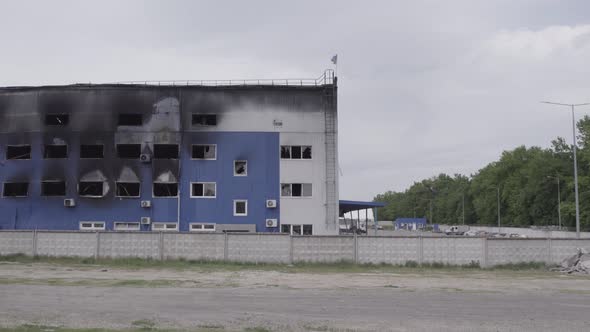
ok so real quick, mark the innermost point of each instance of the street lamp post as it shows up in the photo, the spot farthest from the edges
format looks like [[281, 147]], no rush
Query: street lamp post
[[499, 224], [575, 160]]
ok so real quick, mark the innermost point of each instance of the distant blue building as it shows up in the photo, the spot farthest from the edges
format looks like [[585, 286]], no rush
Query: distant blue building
[[141, 157], [411, 224]]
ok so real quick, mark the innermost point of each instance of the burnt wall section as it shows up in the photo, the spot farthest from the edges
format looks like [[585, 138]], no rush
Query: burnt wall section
[[166, 119]]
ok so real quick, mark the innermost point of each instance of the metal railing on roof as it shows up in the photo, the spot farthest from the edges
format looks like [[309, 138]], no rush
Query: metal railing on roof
[[325, 79]]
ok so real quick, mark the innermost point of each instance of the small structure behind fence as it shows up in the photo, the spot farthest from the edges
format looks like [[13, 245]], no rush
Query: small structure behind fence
[[281, 248]]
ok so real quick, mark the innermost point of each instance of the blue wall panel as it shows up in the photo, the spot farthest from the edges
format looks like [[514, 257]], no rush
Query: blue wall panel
[[261, 150]]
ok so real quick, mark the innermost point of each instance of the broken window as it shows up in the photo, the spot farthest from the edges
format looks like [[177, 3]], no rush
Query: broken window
[[295, 152], [57, 119], [204, 151], [127, 189], [165, 189], [285, 189], [165, 151], [90, 188], [18, 152], [307, 229], [130, 119], [204, 120], [296, 190], [240, 167], [306, 152], [94, 151], [53, 188], [286, 229], [55, 152], [128, 151], [240, 207], [203, 189], [15, 189], [296, 229], [285, 152]]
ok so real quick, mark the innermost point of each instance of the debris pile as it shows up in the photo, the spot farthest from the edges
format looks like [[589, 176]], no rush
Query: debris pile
[[578, 263]]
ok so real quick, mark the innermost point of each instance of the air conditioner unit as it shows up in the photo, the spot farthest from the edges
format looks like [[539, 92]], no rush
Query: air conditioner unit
[[145, 158], [146, 220], [272, 223], [69, 202], [271, 203], [146, 204]]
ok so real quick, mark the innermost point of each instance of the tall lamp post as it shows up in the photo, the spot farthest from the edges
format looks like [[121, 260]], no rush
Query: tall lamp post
[[572, 106]]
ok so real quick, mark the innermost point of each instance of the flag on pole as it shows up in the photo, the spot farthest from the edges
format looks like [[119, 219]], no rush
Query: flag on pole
[[335, 59]]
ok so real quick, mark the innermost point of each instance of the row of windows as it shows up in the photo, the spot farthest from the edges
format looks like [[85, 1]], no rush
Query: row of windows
[[133, 151], [129, 119], [135, 226], [297, 229], [96, 189]]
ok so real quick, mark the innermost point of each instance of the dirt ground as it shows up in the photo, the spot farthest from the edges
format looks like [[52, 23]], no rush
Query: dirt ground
[[411, 299]]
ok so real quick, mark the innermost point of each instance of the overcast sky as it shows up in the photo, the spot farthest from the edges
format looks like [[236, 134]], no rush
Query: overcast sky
[[424, 86]]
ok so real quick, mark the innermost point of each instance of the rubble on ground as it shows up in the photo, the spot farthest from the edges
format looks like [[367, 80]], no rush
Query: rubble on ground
[[576, 264]]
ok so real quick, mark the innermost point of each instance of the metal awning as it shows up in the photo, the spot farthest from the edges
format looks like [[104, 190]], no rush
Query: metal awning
[[347, 206]]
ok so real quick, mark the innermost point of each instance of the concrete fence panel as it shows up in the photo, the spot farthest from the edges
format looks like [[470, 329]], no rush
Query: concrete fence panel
[[388, 250], [194, 246], [561, 248], [142, 245], [452, 250], [509, 251], [323, 249], [258, 248], [15, 242], [66, 244]]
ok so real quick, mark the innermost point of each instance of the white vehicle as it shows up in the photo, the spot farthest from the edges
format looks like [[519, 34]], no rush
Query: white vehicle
[[457, 230]]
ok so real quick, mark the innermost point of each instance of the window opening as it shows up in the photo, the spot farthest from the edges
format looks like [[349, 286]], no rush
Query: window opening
[[90, 188], [165, 189], [203, 189], [204, 152], [18, 152], [285, 152], [204, 120], [55, 151], [91, 151], [295, 152], [130, 119], [53, 188], [128, 189], [57, 119], [165, 151], [128, 151], [16, 189], [307, 229], [240, 168], [306, 153], [240, 208]]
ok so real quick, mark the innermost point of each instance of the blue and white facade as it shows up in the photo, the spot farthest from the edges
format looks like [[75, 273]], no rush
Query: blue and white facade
[[168, 158]]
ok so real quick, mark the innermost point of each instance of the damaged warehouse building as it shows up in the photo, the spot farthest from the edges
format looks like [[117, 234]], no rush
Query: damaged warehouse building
[[252, 157]]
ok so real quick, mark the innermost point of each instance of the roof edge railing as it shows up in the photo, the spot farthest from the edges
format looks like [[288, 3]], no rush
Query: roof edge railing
[[327, 78]]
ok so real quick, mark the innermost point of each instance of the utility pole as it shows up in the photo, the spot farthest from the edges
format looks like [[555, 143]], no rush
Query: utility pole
[[575, 160], [431, 216]]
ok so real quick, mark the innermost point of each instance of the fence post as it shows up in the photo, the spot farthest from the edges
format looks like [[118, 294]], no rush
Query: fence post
[[549, 254], [97, 252], [34, 243], [225, 247], [355, 254], [290, 249], [484, 251], [161, 246], [420, 250]]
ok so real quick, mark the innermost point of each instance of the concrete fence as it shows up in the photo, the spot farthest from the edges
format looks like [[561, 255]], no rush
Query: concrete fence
[[280, 248]]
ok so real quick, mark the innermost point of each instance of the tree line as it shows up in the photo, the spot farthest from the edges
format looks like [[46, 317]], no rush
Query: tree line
[[524, 179]]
